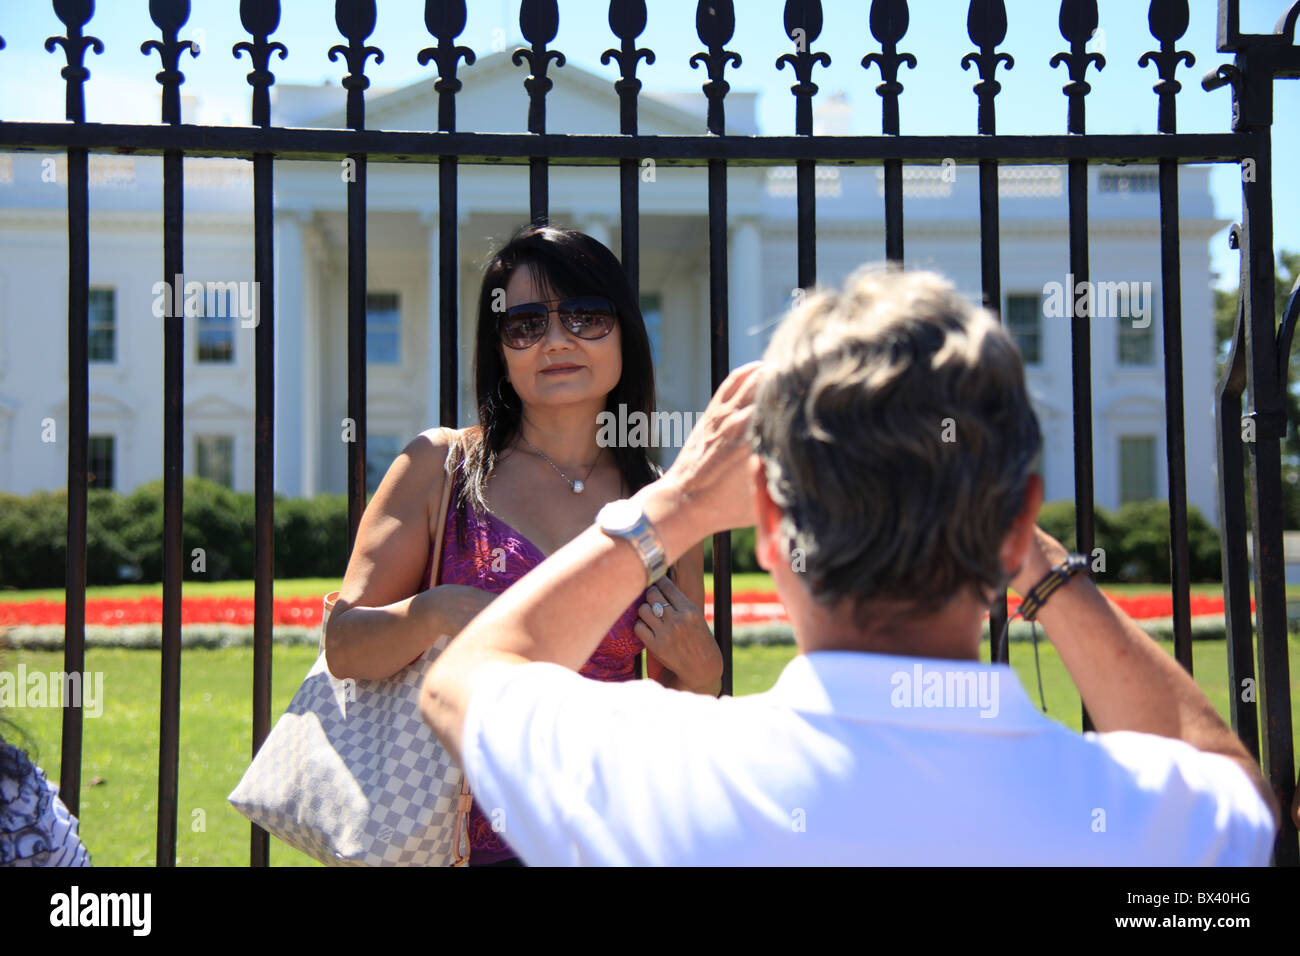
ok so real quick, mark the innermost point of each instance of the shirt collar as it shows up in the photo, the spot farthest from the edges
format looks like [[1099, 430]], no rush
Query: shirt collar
[[926, 692]]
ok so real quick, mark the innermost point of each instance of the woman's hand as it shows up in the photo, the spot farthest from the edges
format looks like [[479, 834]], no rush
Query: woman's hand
[[449, 607], [680, 638]]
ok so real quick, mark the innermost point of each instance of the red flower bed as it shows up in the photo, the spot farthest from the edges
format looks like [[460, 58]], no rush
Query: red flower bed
[[747, 607], [750, 607], [148, 610]]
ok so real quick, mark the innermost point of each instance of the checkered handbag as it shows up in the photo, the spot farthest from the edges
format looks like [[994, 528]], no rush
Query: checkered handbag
[[352, 776]]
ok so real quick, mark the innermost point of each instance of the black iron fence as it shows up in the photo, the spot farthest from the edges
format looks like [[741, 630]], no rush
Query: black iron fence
[[1257, 364]]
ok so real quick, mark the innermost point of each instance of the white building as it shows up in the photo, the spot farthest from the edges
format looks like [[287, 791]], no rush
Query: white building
[[941, 229]]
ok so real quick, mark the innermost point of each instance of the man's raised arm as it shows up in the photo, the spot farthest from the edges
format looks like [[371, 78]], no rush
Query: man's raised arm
[[560, 611]]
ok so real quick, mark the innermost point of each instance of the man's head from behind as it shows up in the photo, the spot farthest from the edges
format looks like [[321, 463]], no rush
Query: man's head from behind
[[896, 440]]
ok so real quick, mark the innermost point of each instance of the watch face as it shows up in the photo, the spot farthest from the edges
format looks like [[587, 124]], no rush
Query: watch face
[[618, 516]]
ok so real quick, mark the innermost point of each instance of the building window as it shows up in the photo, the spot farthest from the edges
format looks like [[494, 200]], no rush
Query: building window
[[102, 325], [217, 327], [1129, 181], [1134, 344], [652, 311], [1137, 468], [99, 463], [1024, 320], [214, 457], [383, 328], [381, 451]]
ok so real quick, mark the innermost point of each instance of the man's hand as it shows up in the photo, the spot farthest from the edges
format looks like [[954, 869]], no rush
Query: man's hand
[[709, 474], [1045, 552]]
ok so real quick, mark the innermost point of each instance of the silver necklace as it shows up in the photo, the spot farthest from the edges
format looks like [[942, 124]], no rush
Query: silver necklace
[[578, 486]]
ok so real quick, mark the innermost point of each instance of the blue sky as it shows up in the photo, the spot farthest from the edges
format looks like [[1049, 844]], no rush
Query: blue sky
[[937, 95]]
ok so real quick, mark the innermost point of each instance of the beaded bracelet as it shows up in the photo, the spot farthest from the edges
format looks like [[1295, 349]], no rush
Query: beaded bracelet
[[1052, 581]]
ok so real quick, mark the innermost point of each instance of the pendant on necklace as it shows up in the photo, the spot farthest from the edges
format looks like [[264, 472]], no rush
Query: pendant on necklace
[[578, 486]]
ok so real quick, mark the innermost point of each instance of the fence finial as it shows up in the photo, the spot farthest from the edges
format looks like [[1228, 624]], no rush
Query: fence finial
[[803, 24], [888, 21], [445, 19], [75, 14], [260, 18], [986, 25], [1168, 22], [539, 21], [356, 21], [1078, 22], [715, 22], [627, 19], [169, 16]]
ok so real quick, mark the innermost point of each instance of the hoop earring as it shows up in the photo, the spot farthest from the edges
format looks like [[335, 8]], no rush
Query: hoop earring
[[501, 399]]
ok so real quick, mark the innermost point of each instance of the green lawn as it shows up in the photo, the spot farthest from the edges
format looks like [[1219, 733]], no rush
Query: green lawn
[[120, 755]]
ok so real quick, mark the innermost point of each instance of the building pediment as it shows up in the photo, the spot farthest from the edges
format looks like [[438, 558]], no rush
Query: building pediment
[[101, 405], [215, 406], [1136, 401], [493, 100]]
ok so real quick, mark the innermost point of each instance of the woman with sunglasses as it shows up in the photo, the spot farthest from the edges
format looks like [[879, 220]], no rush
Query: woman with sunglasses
[[560, 339]]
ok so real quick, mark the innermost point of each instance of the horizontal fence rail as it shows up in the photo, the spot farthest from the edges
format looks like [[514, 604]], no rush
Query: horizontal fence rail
[[1256, 368]]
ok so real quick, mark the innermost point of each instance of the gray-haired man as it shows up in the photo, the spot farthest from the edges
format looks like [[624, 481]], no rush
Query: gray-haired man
[[884, 451]]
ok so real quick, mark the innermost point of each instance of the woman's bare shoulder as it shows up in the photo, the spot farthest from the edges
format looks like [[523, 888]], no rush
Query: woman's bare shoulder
[[428, 453], [433, 443]]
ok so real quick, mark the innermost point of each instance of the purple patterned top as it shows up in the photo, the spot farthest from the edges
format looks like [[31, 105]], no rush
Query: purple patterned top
[[483, 551]]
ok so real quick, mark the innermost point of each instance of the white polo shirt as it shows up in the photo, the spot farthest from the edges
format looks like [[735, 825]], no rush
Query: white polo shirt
[[850, 759]]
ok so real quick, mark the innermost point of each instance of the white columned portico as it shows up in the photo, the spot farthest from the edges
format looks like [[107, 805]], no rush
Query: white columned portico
[[289, 444], [744, 292], [432, 346], [315, 259]]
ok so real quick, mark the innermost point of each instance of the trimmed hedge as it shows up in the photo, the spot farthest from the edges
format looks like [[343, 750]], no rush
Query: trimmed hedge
[[742, 551], [1135, 539], [124, 535]]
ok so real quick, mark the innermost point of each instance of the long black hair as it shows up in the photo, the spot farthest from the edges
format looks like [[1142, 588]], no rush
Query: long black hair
[[567, 263]]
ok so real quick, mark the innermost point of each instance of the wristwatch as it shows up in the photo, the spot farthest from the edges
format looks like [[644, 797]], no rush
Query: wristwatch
[[627, 520]]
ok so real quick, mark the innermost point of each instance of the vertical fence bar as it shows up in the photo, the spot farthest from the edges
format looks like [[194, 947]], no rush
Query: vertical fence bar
[[1168, 22], [448, 267], [260, 20], [627, 18], [1264, 381], [355, 19], [888, 21], [445, 19], [715, 22], [538, 21], [74, 619], [1232, 513], [173, 504], [1078, 22], [1265, 352], [803, 25], [74, 614], [169, 18], [986, 25]]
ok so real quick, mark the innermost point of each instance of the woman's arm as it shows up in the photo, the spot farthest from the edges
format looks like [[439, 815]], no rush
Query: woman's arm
[[380, 623]]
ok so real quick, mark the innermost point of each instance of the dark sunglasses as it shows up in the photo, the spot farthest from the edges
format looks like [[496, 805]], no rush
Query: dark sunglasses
[[586, 316]]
